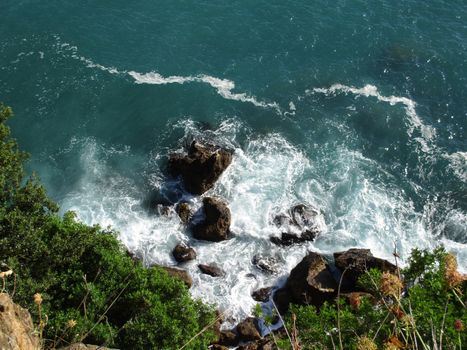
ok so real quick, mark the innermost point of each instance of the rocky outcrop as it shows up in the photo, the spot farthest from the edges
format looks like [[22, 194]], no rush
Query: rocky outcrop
[[311, 281], [300, 223], [216, 224], [228, 338], [282, 298], [200, 167], [16, 327], [183, 253], [262, 294], [355, 262], [182, 275], [248, 330], [211, 270], [184, 212]]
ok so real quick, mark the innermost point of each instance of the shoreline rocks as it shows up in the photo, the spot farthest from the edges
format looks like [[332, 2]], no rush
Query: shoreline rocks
[[211, 270], [183, 253], [200, 167], [180, 274], [215, 227]]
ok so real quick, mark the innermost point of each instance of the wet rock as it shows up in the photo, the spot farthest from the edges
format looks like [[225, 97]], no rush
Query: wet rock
[[262, 294], [184, 212], [269, 264], [182, 275], [248, 330], [183, 253], [200, 167], [355, 262], [311, 281], [215, 226], [300, 223], [16, 328], [211, 270], [218, 347]]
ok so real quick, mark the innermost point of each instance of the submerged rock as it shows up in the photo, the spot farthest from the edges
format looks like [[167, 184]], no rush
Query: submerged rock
[[200, 167], [184, 212], [211, 270], [311, 281], [183, 253], [269, 264], [301, 223], [355, 262], [215, 226]]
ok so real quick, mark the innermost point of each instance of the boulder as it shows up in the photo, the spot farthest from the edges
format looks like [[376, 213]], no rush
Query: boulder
[[218, 347], [300, 223], [248, 330], [216, 224], [211, 270], [311, 281], [16, 327], [228, 338], [183, 253], [262, 294], [282, 300], [200, 167], [184, 212], [182, 275], [355, 262]]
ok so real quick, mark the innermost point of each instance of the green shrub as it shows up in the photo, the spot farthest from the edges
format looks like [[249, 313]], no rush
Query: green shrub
[[91, 289]]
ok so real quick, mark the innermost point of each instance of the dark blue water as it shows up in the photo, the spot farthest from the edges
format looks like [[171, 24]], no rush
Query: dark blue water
[[355, 107]]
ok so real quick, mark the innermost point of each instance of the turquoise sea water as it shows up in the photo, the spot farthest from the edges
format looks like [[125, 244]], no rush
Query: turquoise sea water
[[356, 107]]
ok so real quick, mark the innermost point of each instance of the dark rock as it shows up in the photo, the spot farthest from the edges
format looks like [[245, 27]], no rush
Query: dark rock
[[282, 300], [201, 167], [215, 226], [311, 282], [183, 253], [218, 347], [183, 211], [211, 270], [262, 294], [268, 264], [355, 262], [248, 330], [182, 275], [301, 223], [228, 338]]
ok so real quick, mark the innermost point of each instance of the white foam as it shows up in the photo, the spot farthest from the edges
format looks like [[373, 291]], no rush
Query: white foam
[[223, 87], [427, 132], [458, 164]]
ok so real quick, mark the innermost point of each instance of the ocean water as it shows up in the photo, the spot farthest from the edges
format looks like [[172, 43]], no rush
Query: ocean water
[[355, 107]]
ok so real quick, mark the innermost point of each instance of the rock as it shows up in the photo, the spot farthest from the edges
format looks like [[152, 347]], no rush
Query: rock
[[82, 346], [228, 338], [182, 275], [211, 270], [218, 347], [355, 262], [201, 167], [270, 264], [301, 223], [262, 294], [215, 226], [183, 253], [282, 300], [311, 282], [16, 327], [248, 330], [183, 211]]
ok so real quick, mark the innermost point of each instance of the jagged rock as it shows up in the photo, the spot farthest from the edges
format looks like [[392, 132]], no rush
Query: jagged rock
[[282, 300], [268, 264], [215, 226], [201, 167], [262, 294], [183, 253], [211, 270], [228, 338], [183, 211], [311, 282], [301, 223], [355, 262], [248, 330], [182, 275], [16, 327]]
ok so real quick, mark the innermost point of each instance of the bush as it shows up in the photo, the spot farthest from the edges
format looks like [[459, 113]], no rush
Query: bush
[[91, 290]]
